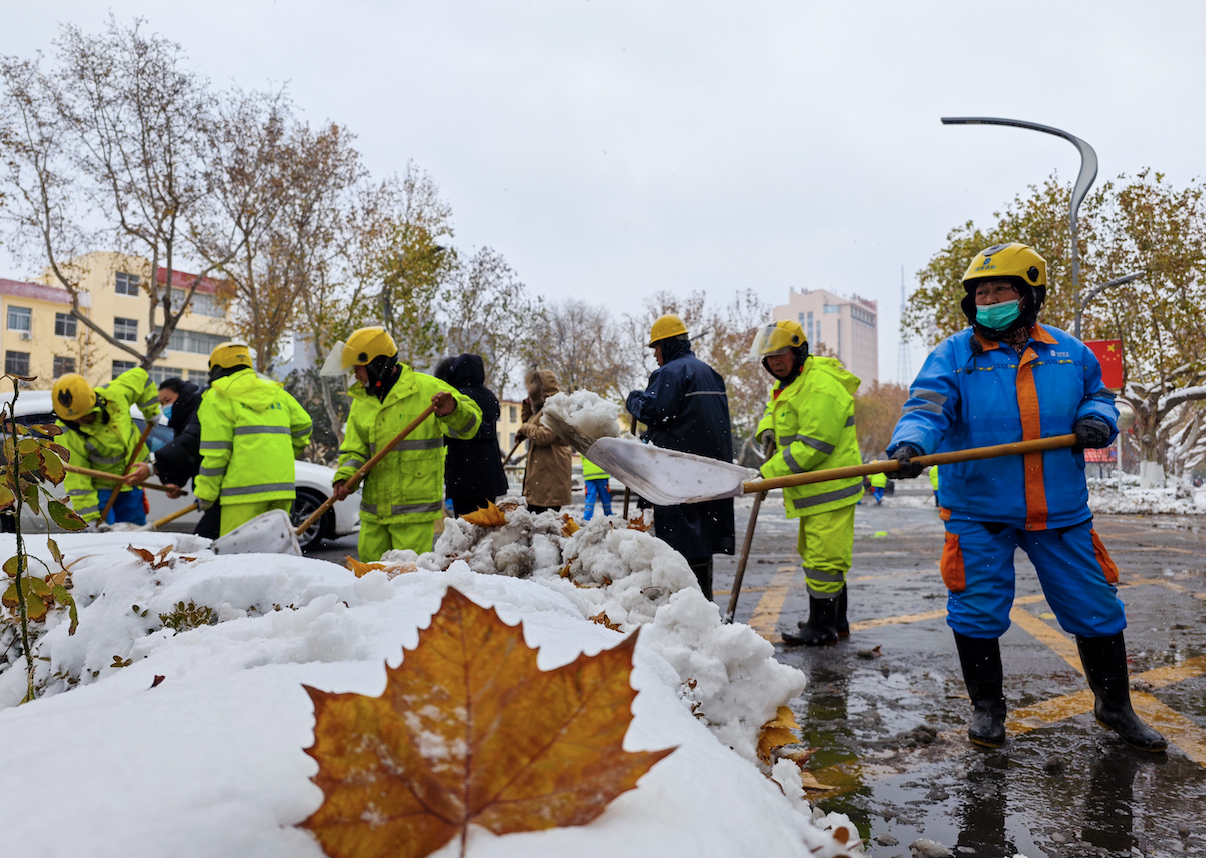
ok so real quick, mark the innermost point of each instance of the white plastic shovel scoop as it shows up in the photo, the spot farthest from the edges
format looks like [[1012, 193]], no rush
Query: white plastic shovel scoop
[[268, 533]]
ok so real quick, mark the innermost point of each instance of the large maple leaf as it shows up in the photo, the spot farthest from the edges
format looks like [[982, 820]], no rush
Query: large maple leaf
[[470, 731]]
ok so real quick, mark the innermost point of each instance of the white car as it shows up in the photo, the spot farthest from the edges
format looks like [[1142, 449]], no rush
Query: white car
[[313, 482]]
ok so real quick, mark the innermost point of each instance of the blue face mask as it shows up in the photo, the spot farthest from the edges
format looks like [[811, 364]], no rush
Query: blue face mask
[[167, 412], [998, 317]]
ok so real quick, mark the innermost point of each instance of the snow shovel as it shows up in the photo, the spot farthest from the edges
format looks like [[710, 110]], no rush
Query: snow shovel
[[668, 477], [273, 532], [514, 447]]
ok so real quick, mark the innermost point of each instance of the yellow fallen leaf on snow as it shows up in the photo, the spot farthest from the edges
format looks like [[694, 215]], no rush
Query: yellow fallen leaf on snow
[[568, 526], [491, 516], [811, 783], [361, 569], [470, 731], [776, 733]]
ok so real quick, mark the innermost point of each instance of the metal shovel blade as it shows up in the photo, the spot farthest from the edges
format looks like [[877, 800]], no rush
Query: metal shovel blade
[[667, 477], [268, 533]]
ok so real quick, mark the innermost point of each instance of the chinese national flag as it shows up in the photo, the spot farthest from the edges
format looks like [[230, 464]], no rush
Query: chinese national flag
[[1109, 355]]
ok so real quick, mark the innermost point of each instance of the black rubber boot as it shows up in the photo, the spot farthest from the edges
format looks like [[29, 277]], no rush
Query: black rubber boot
[[980, 659], [820, 628], [842, 624], [1104, 661]]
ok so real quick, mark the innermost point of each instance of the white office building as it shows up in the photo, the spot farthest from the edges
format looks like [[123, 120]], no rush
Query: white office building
[[846, 327]]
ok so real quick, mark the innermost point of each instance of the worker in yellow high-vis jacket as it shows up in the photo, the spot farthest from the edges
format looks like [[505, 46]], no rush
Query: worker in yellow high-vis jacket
[[403, 494], [99, 432], [810, 416], [251, 432]]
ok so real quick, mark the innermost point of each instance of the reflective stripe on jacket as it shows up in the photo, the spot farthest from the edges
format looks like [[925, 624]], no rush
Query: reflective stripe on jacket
[[813, 419], [973, 392], [106, 444], [408, 484], [251, 432]]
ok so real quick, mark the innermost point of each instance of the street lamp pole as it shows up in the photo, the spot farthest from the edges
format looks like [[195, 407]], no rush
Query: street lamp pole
[[1084, 179]]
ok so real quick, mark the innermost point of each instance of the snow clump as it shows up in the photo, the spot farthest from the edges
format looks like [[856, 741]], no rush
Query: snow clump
[[586, 411]]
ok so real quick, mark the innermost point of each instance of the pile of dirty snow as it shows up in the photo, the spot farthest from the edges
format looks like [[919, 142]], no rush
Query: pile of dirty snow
[[589, 413], [1171, 501], [174, 720]]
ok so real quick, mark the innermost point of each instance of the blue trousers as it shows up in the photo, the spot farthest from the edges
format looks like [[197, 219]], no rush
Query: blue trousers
[[128, 506], [879, 494], [1074, 570], [597, 489]]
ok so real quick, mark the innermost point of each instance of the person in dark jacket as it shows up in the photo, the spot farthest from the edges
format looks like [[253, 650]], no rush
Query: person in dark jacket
[[179, 460], [473, 471], [686, 408]]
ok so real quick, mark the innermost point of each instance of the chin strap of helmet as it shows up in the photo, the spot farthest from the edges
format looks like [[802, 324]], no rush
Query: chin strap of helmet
[[382, 373]]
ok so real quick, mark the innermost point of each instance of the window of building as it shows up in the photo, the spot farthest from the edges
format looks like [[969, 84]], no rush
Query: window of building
[[161, 373], [203, 303], [20, 319], [193, 341], [64, 325], [125, 329], [63, 365], [127, 284], [514, 413], [861, 315], [16, 363], [833, 308], [809, 332], [120, 366]]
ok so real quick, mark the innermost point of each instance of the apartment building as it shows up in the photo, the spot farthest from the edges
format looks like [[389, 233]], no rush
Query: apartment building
[[847, 327], [41, 338]]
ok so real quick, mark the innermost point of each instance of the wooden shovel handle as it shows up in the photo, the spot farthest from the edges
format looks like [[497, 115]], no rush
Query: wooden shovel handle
[[110, 478], [173, 516], [355, 479], [130, 461], [514, 447], [887, 466]]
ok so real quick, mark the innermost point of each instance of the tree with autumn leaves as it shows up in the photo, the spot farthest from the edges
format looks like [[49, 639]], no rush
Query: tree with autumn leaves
[[1138, 223]]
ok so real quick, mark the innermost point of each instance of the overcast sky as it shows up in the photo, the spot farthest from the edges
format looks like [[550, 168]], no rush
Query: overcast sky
[[610, 149]]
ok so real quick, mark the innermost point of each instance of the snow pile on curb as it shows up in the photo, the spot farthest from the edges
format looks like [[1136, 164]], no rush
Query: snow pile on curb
[[625, 577], [1172, 501], [589, 413], [185, 723]]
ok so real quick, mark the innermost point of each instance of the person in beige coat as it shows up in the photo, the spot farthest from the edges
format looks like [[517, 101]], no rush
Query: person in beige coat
[[548, 478]]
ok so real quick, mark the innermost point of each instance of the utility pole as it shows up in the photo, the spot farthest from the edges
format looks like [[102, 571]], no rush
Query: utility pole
[[904, 368]]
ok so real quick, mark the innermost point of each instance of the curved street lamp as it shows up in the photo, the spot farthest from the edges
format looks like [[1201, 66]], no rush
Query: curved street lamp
[[1084, 180]]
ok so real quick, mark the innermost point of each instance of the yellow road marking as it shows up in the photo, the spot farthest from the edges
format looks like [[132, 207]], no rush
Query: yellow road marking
[[1178, 729], [765, 619], [926, 615], [1059, 643]]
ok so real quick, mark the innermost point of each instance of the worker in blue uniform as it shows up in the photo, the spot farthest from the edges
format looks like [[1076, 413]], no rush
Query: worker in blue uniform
[[1005, 379]]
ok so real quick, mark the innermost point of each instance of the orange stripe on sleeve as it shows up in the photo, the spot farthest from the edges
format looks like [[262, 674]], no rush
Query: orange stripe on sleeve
[[1028, 407]]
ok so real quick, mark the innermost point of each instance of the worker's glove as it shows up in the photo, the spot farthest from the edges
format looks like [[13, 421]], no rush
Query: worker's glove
[[766, 439], [1091, 432], [203, 504], [907, 470]]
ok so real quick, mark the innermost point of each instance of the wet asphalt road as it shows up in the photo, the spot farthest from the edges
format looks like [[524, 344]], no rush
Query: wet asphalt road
[[886, 708]]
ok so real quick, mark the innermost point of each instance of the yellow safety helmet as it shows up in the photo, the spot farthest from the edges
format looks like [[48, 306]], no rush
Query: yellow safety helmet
[[665, 327], [1007, 261], [777, 338], [1011, 261], [229, 355], [363, 347], [73, 396]]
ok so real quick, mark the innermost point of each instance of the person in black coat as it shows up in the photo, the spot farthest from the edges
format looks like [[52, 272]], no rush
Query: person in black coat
[[473, 471], [686, 408], [179, 460]]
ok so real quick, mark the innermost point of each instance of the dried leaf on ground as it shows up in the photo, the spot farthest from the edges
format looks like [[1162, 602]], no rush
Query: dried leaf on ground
[[776, 733], [142, 553], [491, 516], [604, 620], [508, 506], [470, 731], [638, 523], [361, 569], [799, 756], [811, 783]]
